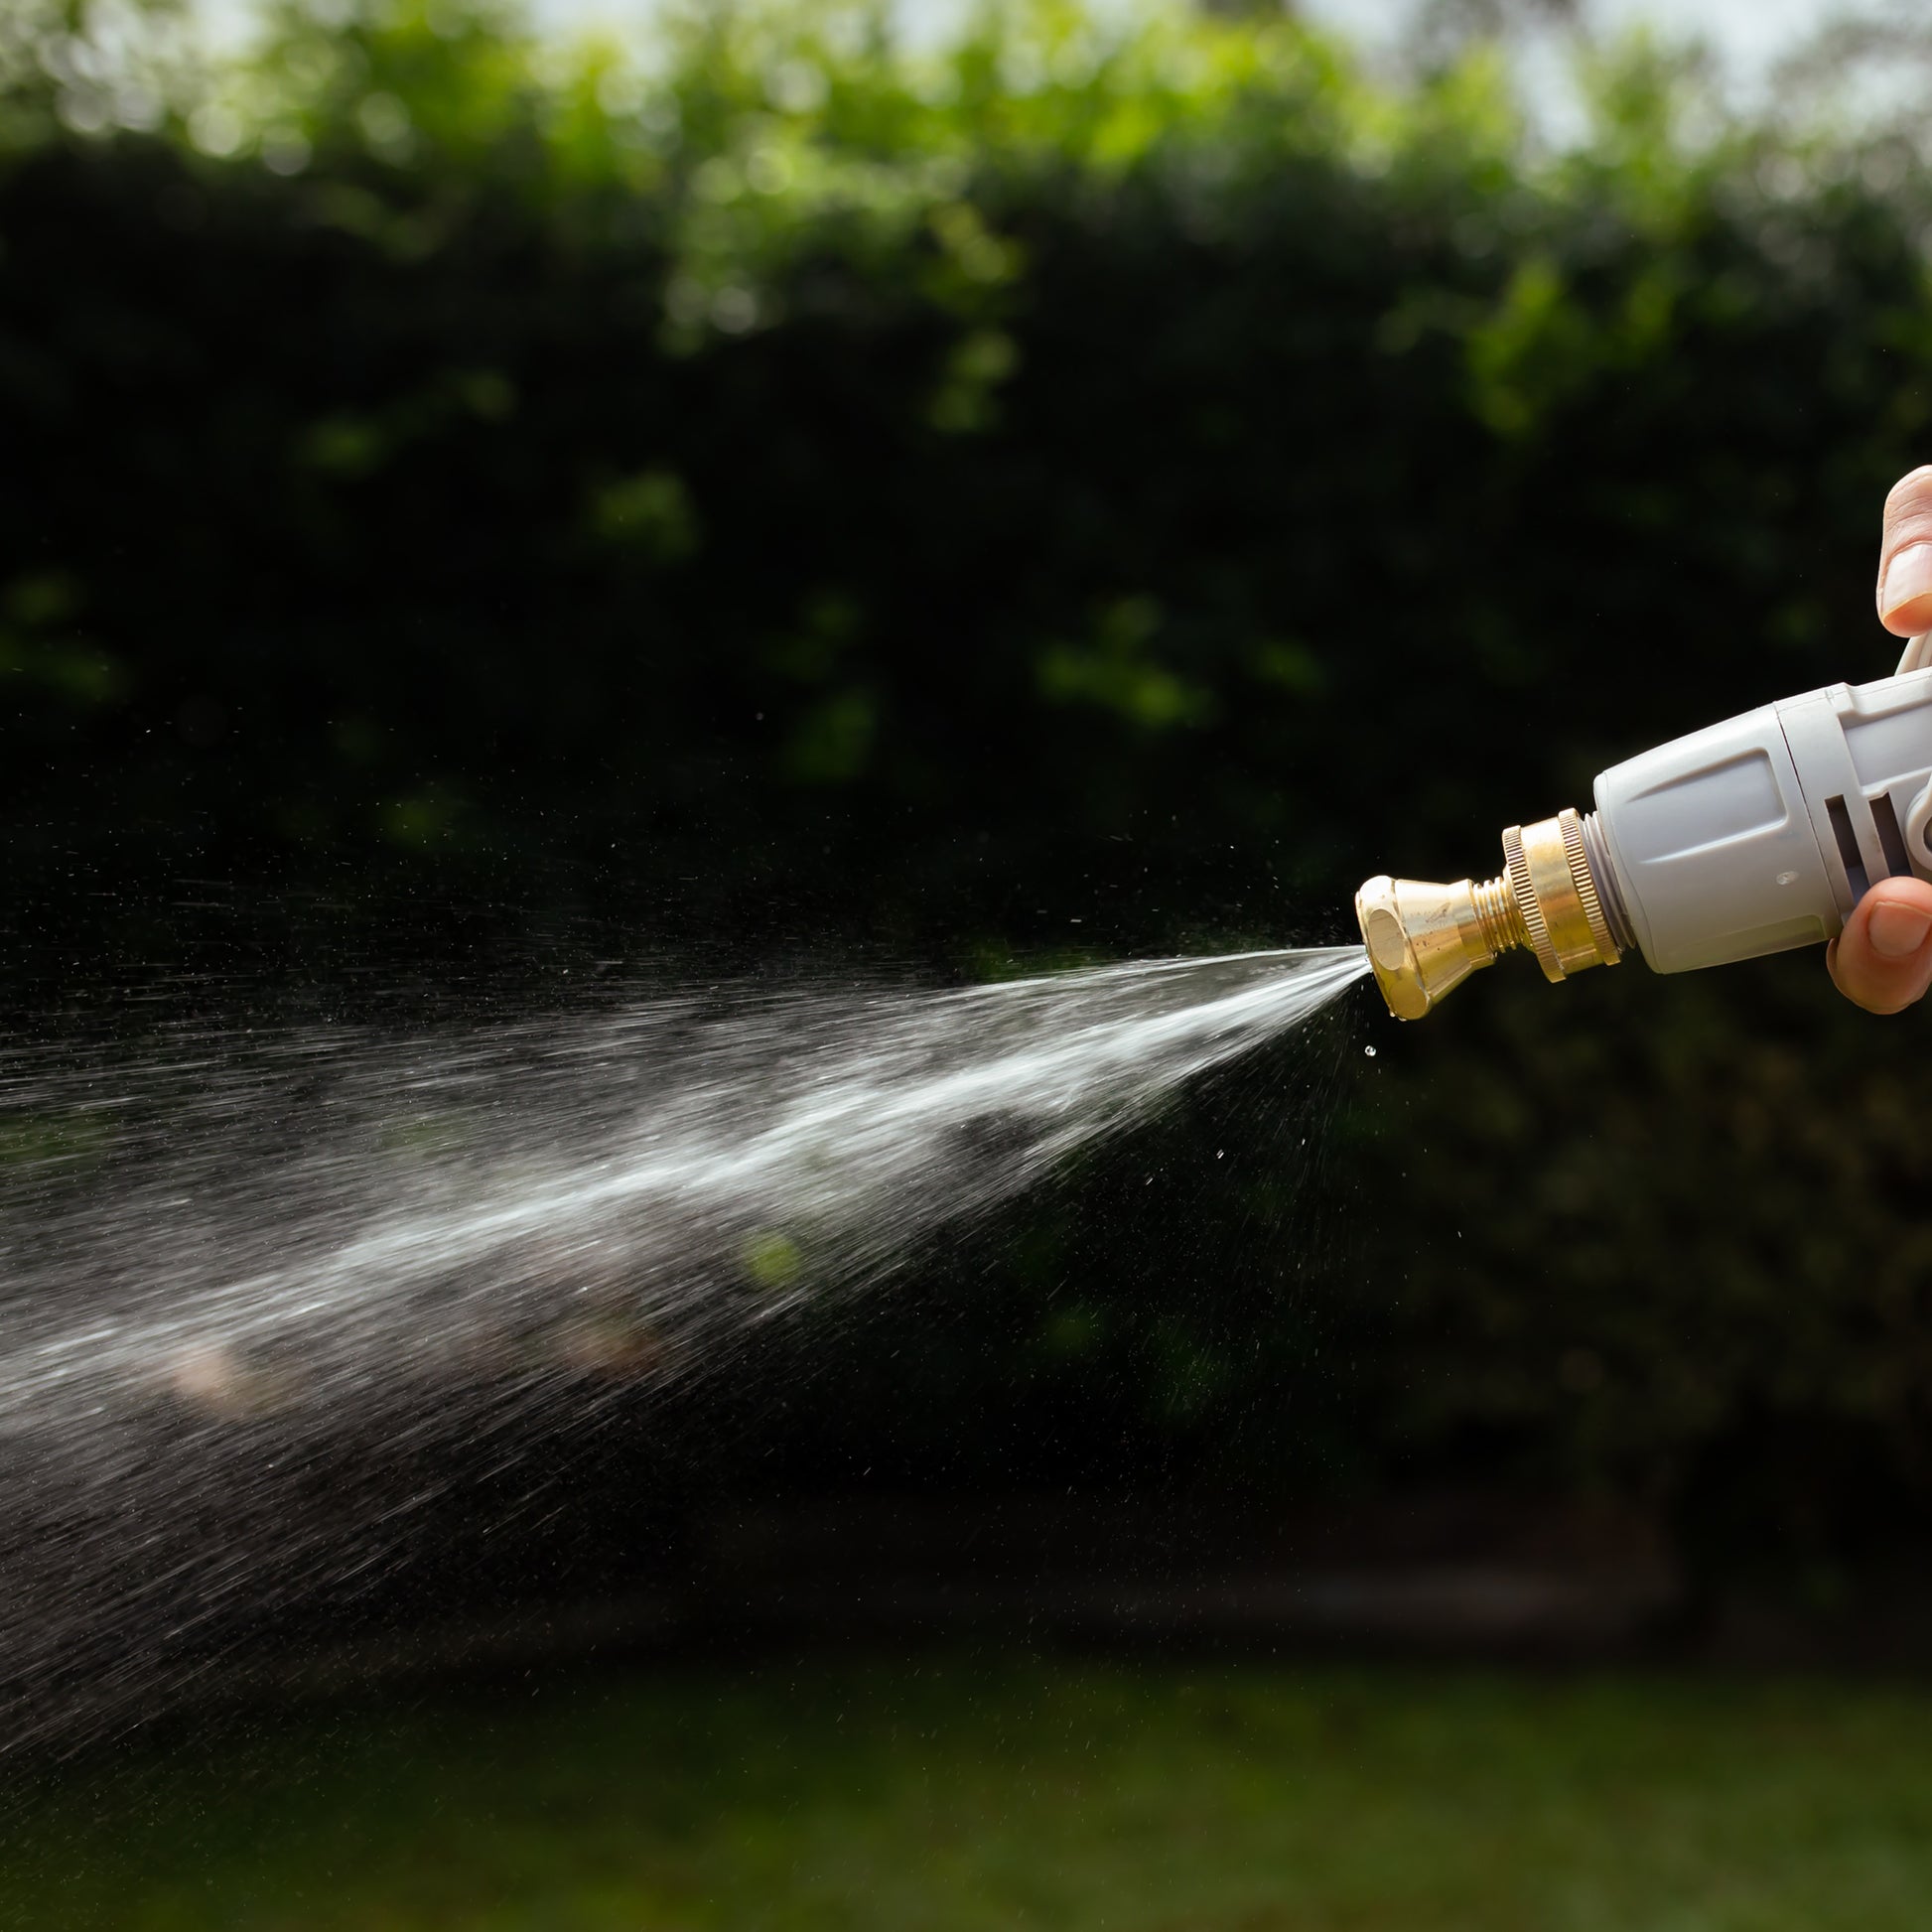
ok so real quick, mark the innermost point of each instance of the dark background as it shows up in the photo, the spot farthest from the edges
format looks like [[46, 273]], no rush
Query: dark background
[[448, 559]]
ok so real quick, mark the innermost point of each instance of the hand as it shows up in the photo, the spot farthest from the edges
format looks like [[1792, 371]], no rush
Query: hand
[[1884, 958]]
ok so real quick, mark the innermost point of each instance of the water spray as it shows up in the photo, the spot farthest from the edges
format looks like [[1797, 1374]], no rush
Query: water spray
[[1752, 837], [326, 1281]]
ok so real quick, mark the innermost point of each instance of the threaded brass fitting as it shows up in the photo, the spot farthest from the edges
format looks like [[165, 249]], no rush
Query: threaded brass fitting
[[1551, 898]]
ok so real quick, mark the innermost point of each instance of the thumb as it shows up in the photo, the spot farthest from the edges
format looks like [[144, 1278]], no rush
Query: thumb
[[1882, 961], [1905, 556]]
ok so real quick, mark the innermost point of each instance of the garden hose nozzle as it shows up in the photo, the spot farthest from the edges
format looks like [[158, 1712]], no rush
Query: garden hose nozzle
[[1423, 939], [1755, 836]]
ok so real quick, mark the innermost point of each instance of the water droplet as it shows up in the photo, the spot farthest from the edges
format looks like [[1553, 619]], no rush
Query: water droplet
[[1369, 1051]]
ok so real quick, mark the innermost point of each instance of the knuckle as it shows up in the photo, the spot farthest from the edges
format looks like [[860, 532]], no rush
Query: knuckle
[[1913, 488], [1908, 509]]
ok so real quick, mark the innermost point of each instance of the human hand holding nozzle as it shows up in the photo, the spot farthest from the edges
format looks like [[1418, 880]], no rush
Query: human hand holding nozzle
[[1804, 822], [1884, 958]]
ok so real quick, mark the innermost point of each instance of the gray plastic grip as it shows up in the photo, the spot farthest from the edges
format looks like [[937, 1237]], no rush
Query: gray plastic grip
[[1763, 832]]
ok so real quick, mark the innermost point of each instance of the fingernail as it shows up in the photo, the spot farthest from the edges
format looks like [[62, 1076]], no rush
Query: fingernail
[[1908, 577], [1898, 931]]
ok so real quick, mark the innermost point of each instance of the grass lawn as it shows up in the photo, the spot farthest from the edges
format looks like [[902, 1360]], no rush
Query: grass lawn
[[1138, 1796]]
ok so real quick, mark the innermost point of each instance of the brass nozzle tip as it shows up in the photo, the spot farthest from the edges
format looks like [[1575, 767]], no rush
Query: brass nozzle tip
[[1424, 940]]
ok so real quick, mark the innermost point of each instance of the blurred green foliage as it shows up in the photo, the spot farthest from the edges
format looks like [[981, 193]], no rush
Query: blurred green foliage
[[1099, 487]]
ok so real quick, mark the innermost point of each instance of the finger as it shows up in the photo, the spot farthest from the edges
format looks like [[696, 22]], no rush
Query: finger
[[1905, 556], [1884, 959]]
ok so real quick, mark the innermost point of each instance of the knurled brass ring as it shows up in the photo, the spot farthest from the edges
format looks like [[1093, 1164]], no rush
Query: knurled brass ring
[[1579, 856], [1521, 886]]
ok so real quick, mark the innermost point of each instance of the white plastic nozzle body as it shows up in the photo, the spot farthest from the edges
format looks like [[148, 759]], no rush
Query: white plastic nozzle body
[[1763, 832]]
